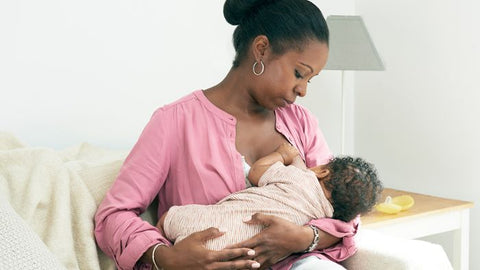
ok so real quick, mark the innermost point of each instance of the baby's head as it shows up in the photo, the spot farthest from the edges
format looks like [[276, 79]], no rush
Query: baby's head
[[351, 184]]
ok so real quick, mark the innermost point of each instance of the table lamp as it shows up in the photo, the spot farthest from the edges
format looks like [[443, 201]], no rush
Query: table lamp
[[351, 48]]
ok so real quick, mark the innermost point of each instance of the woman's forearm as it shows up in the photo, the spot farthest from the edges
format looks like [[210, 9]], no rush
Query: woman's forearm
[[160, 255], [336, 237], [326, 240]]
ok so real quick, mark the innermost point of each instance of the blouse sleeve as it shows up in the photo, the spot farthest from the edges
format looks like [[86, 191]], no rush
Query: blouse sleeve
[[346, 231], [119, 230]]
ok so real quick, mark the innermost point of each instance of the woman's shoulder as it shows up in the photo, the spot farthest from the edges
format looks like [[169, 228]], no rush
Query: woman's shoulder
[[172, 112], [194, 105], [186, 105], [187, 100]]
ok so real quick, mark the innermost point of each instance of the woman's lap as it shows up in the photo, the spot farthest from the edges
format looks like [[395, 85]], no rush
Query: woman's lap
[[312, 263]]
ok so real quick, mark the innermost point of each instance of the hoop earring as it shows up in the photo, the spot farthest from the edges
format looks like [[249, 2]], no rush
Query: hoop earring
[[255, 65]]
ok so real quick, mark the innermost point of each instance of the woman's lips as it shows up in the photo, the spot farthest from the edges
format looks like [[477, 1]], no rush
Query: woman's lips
[[287, 102]]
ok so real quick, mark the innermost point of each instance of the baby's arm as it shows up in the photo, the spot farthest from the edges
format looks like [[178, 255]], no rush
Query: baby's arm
[[285, 153]]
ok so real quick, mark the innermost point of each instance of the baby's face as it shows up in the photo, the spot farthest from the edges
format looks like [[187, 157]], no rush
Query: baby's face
[[327, 193], [323, 174]]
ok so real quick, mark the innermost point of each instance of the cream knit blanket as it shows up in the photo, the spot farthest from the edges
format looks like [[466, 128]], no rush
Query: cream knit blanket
[[57, 193]]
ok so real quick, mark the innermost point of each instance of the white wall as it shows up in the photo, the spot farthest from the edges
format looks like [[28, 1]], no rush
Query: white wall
[[74, 71], [419, 121], [96, 70]]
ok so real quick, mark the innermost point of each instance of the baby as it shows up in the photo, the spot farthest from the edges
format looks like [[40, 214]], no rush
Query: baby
[[283, 186]]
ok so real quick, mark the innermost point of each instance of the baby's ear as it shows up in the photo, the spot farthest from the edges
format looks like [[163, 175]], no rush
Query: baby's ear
[[321, 171]]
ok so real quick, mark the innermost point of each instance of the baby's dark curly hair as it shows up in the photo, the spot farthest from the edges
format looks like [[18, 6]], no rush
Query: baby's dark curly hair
[[354, 186]]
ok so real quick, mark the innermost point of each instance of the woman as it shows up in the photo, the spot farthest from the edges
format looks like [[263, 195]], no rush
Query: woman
[[194, 150]]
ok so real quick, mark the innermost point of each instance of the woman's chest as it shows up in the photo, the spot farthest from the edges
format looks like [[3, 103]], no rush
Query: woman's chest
[[254, 140]]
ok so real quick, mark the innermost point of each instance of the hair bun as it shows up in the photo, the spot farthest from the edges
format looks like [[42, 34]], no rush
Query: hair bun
[[235, 10]]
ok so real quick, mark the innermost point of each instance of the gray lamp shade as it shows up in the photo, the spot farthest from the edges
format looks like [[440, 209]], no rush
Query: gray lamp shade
[[351, 47]]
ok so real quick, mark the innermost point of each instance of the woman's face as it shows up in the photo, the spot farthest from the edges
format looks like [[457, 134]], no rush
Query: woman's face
[[286, 76]]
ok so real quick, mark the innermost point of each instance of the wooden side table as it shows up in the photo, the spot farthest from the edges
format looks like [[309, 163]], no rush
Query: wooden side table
[[429, 215]]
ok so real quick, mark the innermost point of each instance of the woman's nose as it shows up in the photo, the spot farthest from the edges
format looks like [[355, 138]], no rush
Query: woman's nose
[[301, 90]]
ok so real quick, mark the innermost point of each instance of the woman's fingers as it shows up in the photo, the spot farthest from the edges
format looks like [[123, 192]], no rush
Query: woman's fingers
[[205, 235], [235, 253], [261, 219], [258, 218], [238, 258], [232, 258], [249, 243], [276, 241], [233, 265], [228, 253]]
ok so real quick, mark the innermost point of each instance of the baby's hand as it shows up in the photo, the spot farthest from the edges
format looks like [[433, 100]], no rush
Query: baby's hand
[[288, 153]]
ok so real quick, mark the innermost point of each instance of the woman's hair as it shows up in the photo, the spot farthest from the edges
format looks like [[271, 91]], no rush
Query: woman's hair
[[354, 186], [288, 24]]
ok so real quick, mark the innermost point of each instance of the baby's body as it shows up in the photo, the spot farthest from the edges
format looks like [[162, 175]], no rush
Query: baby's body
[[286, 191], [283, 187]]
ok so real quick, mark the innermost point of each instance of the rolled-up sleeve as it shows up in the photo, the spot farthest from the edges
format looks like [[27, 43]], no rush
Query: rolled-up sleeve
[[344, 230], [119, 231]]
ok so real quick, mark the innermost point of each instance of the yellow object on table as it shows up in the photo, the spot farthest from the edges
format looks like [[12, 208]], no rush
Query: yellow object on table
[[395, 204]]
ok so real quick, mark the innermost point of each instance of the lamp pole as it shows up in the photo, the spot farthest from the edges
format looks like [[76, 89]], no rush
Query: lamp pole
[[342, 149]]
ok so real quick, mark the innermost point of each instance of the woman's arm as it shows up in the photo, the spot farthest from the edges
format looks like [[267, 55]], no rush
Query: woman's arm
[[280, 238], [119, 230], [129, 240], [344, 231]]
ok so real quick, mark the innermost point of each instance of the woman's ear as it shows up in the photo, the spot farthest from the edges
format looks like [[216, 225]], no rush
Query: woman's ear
[[259, 46]]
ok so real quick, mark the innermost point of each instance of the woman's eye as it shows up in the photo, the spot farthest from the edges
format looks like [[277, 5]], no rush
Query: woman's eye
[[298, 75]]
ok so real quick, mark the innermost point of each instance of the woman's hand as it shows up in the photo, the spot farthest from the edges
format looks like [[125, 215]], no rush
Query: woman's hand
[[190, 253], [279, 239]]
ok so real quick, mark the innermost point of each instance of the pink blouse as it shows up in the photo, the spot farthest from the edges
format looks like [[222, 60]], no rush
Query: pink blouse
[[186, 154]]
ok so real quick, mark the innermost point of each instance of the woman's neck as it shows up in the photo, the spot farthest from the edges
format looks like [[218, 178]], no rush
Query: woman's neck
[[233, 95]]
